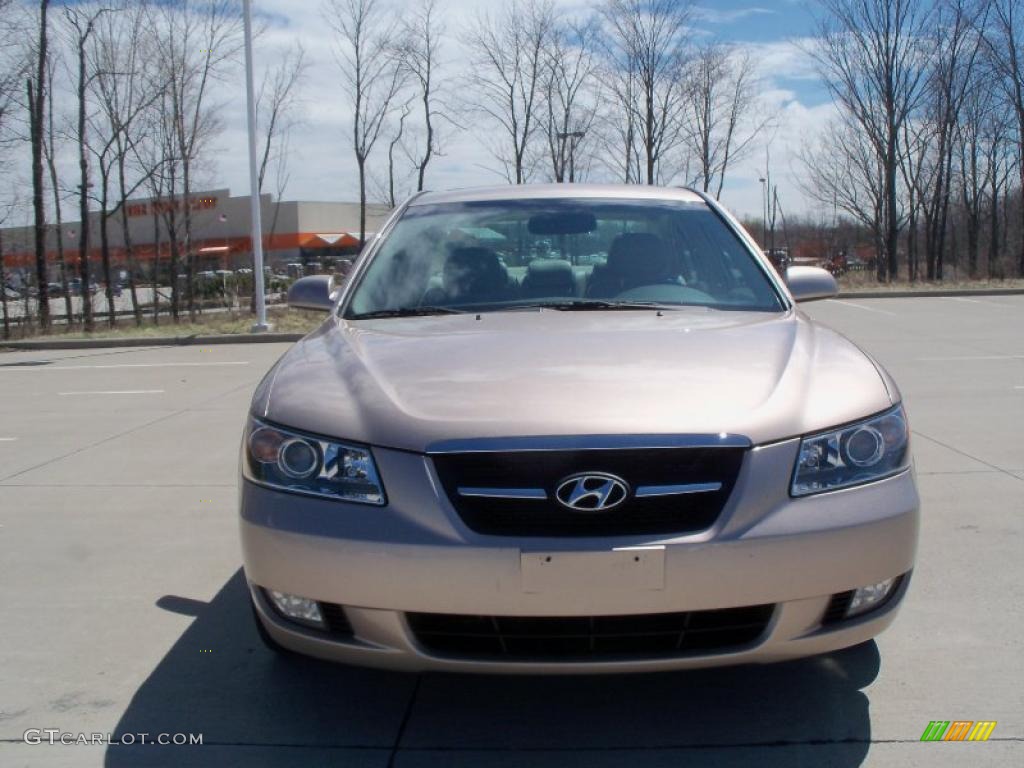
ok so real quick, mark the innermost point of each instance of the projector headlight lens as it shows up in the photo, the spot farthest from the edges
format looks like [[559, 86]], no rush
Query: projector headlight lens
[[280, 458], [859, 453]]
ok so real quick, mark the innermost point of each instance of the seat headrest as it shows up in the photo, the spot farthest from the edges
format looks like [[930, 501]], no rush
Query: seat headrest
[[640, 256], [550, 272], [473, 270]]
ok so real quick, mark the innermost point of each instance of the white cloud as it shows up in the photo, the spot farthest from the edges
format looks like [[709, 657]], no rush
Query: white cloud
[[718, 16]]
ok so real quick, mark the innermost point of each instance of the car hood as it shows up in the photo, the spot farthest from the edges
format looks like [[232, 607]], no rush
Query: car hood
[[410, 383]]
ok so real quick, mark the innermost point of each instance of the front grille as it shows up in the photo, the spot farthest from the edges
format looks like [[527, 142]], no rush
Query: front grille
[[653, 635], [544, 470]]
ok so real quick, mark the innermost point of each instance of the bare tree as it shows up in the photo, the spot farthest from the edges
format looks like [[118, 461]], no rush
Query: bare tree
[[36, 89], [81, 24], [372, 74], [197, 41], [571, 94], [1005, 43], [508, 60], [872, 56], [423, 35], [121, 88], [954, 54], [12, 70], [394, 142], [13, 64], [617, 133], [50, 155], [844, 172], [648, 41], [722, 121], [276, 105]]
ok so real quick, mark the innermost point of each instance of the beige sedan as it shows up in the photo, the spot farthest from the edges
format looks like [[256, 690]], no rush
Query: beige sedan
[[568, 429]]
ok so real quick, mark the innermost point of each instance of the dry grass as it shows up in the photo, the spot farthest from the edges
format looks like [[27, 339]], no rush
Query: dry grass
[[854, 282], [211, 324]]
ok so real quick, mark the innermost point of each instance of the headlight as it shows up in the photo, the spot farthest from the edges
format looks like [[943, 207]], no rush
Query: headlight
[[291, 461], [859, 453]]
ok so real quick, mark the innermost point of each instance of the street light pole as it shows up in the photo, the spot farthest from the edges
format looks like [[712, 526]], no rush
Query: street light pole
[[254, 182]]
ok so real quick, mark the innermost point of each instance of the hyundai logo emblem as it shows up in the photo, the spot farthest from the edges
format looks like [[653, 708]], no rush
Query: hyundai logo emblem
[[592, 492]]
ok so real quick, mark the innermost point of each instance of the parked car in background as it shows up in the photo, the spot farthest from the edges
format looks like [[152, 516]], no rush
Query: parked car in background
[[541, 464], [75, 286]]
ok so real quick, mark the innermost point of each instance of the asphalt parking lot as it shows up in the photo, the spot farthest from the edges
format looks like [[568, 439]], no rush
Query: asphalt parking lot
[[124, 609]]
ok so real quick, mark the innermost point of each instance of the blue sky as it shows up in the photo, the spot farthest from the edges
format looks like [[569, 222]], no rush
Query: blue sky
[[321, 166]]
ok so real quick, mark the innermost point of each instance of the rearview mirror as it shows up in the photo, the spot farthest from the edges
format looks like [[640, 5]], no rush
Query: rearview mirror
[[315, 292], [562, 223], [811, 283]]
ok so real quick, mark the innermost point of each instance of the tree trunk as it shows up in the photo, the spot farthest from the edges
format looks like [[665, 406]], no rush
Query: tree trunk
[[105, 261], [190, 258], [61, 256], [361, 161], [993, 246], [175, 265], [36, 106], [129, 251], [83, 197], [3, 290], [892, 234], [156, 266]]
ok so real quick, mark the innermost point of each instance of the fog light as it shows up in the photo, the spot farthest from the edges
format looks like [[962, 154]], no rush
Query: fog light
[[300, 609], [872, 596]]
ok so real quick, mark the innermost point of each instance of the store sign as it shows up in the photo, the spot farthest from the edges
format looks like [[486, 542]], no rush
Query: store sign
[[152, 207]]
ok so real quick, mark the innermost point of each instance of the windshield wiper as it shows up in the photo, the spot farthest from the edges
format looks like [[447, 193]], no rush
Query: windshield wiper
[[407, 312], [584, 305]]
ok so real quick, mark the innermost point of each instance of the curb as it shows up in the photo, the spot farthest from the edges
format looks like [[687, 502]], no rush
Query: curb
[[155, 341], [939, 294]]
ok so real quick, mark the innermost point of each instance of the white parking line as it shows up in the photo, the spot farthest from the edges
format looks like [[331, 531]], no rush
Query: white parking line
[[7, 439], [117, 392], [860, 306], [119, 365], [977, 301]]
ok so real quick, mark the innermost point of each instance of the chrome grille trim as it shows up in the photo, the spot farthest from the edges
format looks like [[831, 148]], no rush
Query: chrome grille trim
[[504, 493], [648, 491]]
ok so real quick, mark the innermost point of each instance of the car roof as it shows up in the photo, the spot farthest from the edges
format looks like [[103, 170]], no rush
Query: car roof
[[558, 191]]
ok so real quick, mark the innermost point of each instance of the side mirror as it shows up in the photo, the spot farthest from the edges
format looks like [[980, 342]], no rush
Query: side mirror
[[811, 283], [315, 292]]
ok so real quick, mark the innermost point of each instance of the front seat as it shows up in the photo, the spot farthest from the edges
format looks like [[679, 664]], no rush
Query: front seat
[[549, 277], [472, 275], [634, 259]]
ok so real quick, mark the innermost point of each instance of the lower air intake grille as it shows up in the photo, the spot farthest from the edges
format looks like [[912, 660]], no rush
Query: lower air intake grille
[[336, 620], [837, 607], [586, 637]]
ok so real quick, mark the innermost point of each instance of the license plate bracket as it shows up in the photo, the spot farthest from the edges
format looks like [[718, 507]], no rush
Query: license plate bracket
[[621, 569]]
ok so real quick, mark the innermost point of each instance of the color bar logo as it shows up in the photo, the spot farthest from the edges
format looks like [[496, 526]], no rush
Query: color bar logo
[[958, 730]]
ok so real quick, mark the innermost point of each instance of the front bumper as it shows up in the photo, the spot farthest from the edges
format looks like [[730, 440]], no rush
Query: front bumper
[[415, 555]]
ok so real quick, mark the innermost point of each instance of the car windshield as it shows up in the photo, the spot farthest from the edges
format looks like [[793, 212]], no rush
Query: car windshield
[[567, 254]]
